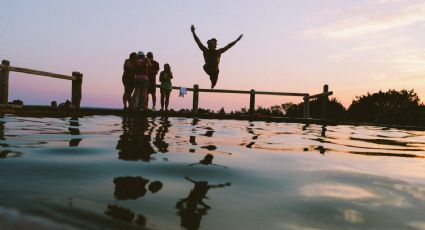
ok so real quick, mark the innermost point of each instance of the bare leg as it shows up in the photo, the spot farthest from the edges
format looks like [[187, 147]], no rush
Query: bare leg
[[153, 99], [213, 78], [126, 98], [213, 73], [167, 99], [162, 99], [145, 98], [134, 97]]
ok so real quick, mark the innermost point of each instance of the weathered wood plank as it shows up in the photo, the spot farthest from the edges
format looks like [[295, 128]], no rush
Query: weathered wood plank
[[37, 72], [321, 95], [4, 82]]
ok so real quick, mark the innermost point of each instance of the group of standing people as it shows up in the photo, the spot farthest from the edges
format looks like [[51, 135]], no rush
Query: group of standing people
[[139, 79], [140, 72]]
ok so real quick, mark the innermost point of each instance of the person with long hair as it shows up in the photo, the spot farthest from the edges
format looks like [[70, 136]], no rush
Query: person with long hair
[[128, 79], [166, 86]]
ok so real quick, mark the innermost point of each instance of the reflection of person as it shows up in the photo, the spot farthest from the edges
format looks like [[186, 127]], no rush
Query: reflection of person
[[134, 144], [212, 55], [129, 188], [160, 135], [132, 188], [152, 72], [323, 132], [126, 215], [2, 128], [128, 79], [208, 160], [142, 82], [166, 86], [192, 208]]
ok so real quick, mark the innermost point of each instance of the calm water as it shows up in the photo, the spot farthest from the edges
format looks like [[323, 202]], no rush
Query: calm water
[[108, 172]]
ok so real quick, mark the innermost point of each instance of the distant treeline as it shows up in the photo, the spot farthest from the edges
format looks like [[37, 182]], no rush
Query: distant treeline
[[391, 107]]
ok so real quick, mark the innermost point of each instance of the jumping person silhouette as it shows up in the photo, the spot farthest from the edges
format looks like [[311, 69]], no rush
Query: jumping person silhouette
[[212, 55]]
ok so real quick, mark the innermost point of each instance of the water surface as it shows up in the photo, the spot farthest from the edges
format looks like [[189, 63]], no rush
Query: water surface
[[108, 172]]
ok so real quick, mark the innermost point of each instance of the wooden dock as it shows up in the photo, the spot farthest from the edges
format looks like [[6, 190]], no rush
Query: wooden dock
[[76, 94]]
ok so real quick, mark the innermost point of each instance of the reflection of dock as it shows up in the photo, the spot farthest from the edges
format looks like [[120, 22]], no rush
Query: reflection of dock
[[47, 111]]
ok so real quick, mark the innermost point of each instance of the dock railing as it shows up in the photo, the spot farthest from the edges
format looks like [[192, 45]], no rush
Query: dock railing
[[76, 78], [306, 97]]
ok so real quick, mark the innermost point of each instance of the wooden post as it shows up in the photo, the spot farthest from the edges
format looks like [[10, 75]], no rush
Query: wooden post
[[325, 102], [252, 102], [4, 83], [76, 89], [195, 98], [306, 110]]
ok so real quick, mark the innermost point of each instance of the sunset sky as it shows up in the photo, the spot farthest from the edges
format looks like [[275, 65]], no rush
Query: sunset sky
[[354, 46]]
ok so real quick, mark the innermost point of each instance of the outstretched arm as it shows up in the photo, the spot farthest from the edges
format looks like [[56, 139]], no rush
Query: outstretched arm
[[224, 49], [187, 178], [201, 46]]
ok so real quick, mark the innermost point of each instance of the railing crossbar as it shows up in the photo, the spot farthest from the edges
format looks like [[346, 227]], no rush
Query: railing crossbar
[[37, 72], [243, 92], [320, 95]]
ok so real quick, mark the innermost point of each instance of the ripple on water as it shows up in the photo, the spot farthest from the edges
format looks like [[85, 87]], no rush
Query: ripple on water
[[172, 173]]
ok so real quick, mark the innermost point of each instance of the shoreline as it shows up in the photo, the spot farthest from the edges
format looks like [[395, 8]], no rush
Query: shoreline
[[47, 111]]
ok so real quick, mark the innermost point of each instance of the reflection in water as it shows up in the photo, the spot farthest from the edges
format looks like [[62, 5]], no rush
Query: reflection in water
[[345, 191], [74, 130], [254, 136], [9, 153], [160, 135], [195, 121], [192, 208], [323, 132], [126, 215], [192, 140], [131, 188], [210, 147], [134, 144], [382, 141], [321, 149], [6, 153], [208, 159], [155, 186], [209, 133], [2, 128]]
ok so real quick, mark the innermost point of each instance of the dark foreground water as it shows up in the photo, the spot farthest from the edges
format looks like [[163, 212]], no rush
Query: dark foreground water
[[108, 172]]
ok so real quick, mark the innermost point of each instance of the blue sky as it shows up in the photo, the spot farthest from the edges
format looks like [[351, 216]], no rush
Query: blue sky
[[288, 46]]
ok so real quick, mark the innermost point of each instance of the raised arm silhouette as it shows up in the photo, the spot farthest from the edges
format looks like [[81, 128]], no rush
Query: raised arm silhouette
[[212, 55]]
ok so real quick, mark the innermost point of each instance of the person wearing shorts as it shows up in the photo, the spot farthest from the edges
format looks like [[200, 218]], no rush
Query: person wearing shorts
[[152, 72], [212, 55], [141, 81]]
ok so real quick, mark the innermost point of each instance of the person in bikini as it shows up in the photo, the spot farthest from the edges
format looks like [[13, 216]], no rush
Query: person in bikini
[[128, 79]]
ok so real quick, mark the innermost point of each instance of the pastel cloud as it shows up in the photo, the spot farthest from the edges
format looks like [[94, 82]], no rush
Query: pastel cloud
[[365, 25]]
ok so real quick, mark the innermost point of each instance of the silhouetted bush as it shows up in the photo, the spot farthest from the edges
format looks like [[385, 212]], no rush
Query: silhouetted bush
[[335, 110], [391, 107], [275, 110]]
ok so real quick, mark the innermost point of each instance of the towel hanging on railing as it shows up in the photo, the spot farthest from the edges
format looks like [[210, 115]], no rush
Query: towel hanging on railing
[[183, 91]]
